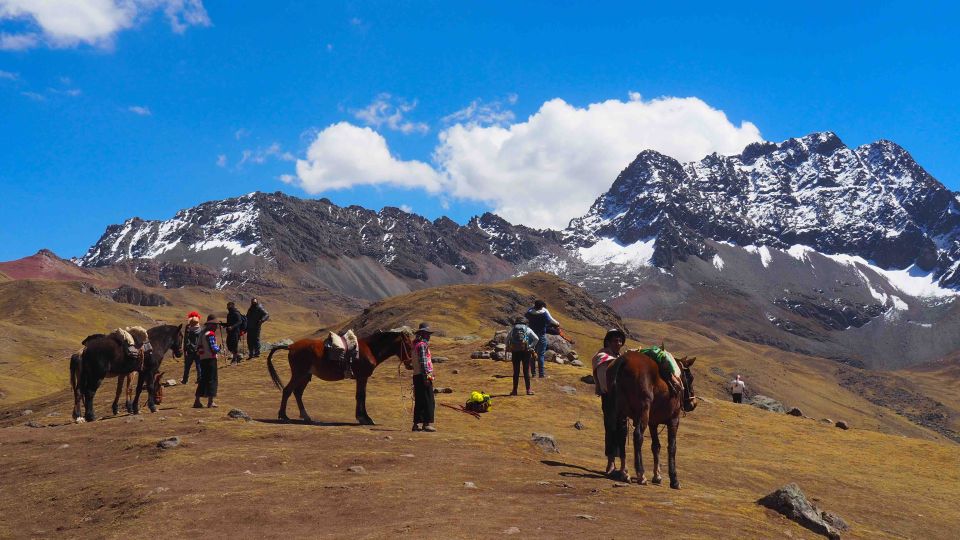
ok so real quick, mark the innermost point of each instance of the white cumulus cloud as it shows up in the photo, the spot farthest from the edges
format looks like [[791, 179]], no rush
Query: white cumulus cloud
[[344, 155], [139, 110], [541, 171], [69, 23]]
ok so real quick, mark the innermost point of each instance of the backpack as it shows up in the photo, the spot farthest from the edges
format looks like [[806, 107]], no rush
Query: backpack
[[242, 327], [517, 339], [191, 342]]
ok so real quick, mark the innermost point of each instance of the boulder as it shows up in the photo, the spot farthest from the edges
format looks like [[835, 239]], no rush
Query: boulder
[[842, 425], [791, 502], [567, 390], [358, 469], [545, 442], [499, 337], [572, 355], [168, 443], [439, 359], [576, 362], [767, 404], [558, 345], [238, 414], [795, 412], [588, 379]]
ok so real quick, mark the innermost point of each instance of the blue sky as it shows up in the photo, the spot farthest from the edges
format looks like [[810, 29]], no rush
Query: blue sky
[[175, 102]]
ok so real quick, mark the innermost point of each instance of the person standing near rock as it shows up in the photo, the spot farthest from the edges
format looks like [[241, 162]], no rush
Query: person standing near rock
[[614, 428], [539, 319], [521, 344], [256, 316], [235, 325], [737, 386], [192, 334], [423, 402], [207, 385]]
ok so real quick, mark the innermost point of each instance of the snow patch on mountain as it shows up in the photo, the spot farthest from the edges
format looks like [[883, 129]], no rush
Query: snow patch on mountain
[[609, 251]]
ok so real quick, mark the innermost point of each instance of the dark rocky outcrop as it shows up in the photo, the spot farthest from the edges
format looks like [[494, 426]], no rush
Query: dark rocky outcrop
[[791, 502], [138, 297]]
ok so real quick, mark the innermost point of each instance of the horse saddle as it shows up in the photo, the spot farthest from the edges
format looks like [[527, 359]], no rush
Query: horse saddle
[[342, 350]]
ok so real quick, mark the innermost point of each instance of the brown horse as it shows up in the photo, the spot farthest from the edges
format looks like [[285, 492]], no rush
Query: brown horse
[[307, 358], [644, 397]]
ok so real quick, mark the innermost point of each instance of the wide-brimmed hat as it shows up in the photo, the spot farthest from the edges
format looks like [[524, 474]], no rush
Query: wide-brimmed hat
[[615, 332], [424, 329], [212, 319]]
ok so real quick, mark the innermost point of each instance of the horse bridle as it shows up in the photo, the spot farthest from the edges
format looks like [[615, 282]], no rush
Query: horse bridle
[[406, 351]]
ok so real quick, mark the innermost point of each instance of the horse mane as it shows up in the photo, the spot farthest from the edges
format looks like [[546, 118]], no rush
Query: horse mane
[[378, 338]]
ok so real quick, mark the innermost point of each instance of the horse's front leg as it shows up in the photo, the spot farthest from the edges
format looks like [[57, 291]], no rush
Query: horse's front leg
[[639, 426], [655, 446], [672, 428], [362, 417], [147, 379], [89, 392], [129, 391], [116, 399]]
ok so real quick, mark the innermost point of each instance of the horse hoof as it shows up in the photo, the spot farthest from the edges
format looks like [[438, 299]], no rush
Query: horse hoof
[[642, 480], [129, 407], [657, 480], [153, 409], [366, 421], [675, 484], [116, 410], [79, 420]]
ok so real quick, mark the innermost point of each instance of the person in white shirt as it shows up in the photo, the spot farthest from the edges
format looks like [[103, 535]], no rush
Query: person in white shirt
[[614, 428], [737, 386]]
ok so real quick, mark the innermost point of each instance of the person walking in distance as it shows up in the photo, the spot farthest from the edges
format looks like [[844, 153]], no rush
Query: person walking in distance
[[192, 334], [539, 319], [423, 404], [614, 428], [521, 344], [737, 386], [236, 323], [207, 385], [256, 316]]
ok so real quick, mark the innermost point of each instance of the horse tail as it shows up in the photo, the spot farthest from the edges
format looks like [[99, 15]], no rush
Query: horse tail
[[74, 371], [273, 370]]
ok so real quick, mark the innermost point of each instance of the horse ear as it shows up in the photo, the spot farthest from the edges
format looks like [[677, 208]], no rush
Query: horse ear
[[689, 363]]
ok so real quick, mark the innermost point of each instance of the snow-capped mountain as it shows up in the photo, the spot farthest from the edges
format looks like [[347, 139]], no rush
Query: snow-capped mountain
[[807, 245], [874, 202]]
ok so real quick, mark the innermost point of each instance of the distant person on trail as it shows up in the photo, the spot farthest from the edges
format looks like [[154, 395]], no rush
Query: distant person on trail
[[236, 323], [737, 386], [521, 343], [256, 316], [191, 345], [614, 428], [423, 402], [539, 319], [207, 385]]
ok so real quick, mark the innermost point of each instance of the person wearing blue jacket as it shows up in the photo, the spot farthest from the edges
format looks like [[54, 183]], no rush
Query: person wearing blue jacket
[[539, 319]]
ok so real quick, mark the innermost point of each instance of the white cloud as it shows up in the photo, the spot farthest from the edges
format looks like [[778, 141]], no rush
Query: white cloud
[[139, 110], [34, 96], [406, 208], [70, 23], [486, 114], [221, 160], [542, 171], [261, 155], [389, 112], [9, 75], [241, 133], [344, 155]]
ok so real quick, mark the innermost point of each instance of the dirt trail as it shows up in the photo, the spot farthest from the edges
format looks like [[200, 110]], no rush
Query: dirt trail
[[230, 478]]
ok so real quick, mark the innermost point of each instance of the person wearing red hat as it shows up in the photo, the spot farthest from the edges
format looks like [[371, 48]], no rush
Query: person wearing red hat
[[423, 402], [207, 385], [192, 334]]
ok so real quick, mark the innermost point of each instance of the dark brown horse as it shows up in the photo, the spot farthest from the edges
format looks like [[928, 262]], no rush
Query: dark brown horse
[[104, 357], [644, 397], [307, 359]]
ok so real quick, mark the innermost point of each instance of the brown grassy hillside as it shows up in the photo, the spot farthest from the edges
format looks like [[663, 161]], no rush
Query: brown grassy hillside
[[42, 322], [262, 479]]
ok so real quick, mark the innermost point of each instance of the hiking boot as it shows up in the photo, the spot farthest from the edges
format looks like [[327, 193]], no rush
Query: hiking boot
[[416, 427], [513, 393], [429, 427]]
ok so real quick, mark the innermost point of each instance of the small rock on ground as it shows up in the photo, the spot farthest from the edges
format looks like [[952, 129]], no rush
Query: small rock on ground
[[34, 424], [168, 443], [357, 469], [238, 414], [455, 372], [25, 412], [578, 425], [842, 425], [576, 362], [512, 530], [469, 485], [587, 517], [443, 390], [567, 389], [795, 412], [439, 359], [546, 442], [588, 379], [170, 382]]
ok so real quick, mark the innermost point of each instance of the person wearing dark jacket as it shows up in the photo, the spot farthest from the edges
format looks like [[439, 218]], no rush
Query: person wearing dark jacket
[[192, 334], [234, 323], [539, 319], [256, 316], [207, 384]]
